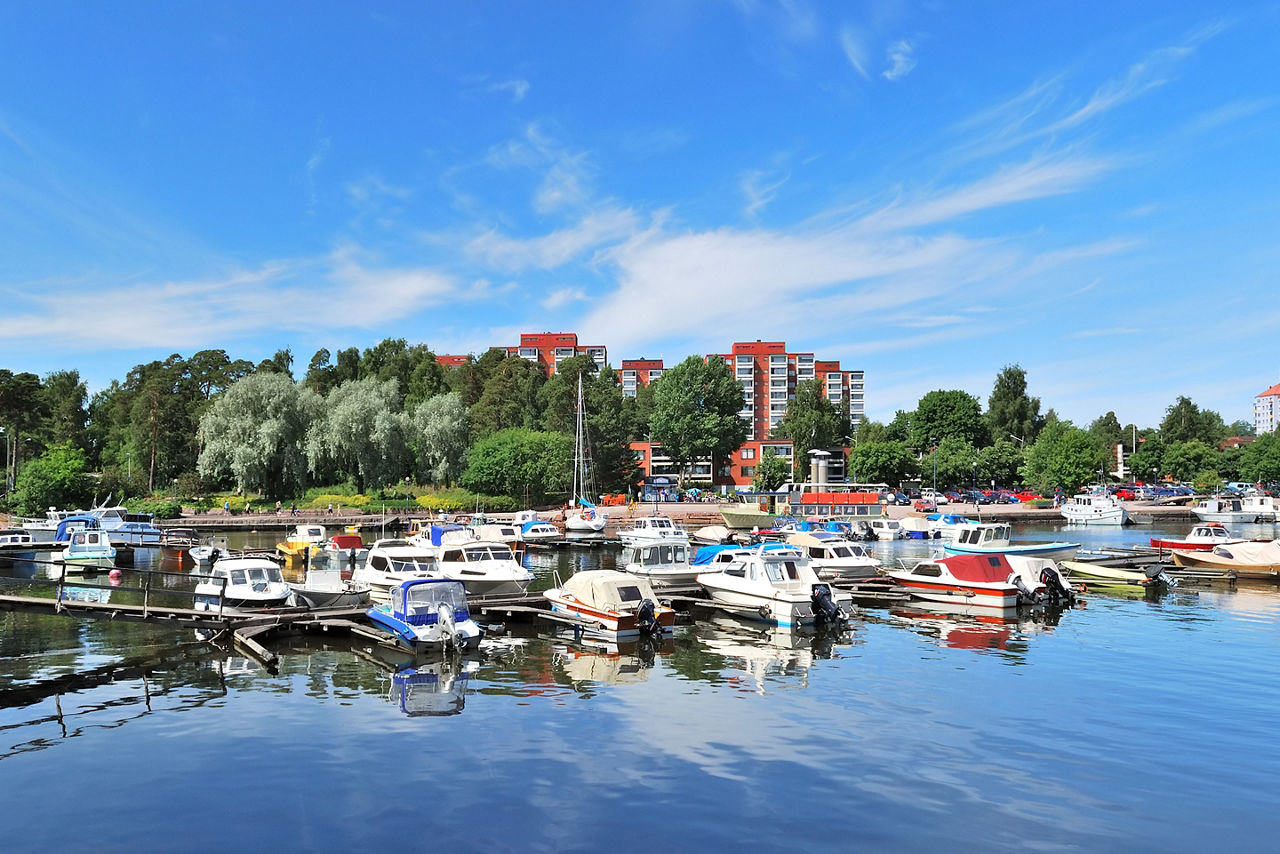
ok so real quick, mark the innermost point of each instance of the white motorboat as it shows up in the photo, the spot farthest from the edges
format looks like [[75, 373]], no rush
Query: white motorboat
[[948, 525], [659, 563], [712, 535], [918, 528], [1264, 507], [777, 587], [1228, 511], [486, 567], [345, 548], [88, 549], [832, 556], [1201, 539], [125, 528], [536, 532], [981, 580], [987, 538], [211, 550], [392, 562], [241, 584], [610, 603], [1095, 508], [428, 613], [653, 529], [17, 544], [887, 529], [326, 588]]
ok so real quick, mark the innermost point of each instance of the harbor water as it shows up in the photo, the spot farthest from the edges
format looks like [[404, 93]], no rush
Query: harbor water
[[1119, 724]]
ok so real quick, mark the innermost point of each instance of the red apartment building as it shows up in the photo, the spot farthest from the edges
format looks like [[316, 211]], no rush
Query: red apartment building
[[548, 349]]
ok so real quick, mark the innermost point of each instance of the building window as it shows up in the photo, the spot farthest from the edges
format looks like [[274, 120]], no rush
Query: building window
[[748, 471], [748, 453]]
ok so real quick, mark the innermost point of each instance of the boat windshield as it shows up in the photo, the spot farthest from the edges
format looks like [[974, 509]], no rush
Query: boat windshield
[[412, 563], [259, 574], [628, 593], [423, 598], [474, 554]]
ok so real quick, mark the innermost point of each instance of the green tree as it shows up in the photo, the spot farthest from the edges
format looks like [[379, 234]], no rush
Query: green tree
[[255, 434], [955, 459], [947, 414], [361, 435], [438, 434], [1010, 411], [1107, 432], [63, 396], [558, 396], [519, 462], [1064, 456], [608, 431], [1184, 460], [1186, 422], [771, 472], [899, 429], [696, 408], [1147, 463], [872, 431], [510, 398], [882, 462], [280, 363], [1261, 459], [1000, 462], [56, 478], [811, 421], [320, 374]]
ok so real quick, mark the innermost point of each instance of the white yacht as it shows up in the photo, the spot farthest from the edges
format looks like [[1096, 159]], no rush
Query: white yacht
[[89, 549], [1095, 508], [1228, 511], [242, 583], [659, 563], [392, 562], [653, 529], [486, 567], [887, 529], [778, 588], [832, 556]]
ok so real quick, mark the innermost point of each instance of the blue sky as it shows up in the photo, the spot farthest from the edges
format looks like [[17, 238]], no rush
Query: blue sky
[[926, 191]]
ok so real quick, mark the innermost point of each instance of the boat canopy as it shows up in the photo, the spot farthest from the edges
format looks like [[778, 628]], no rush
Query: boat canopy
[[439, 534], [1251, 552], [816, 538], [347, 541], [608, 589], [984, 568], [707, 554], [75, 523]]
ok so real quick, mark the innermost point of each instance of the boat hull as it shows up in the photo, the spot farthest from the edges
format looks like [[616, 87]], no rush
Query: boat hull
[[612, 624], [319, 599], [1208, 560], [1003, 596], [1118, 516], [1052, 551], [745, 518]]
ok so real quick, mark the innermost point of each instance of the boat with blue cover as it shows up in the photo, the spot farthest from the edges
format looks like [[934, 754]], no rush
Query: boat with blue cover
[[428, 613]]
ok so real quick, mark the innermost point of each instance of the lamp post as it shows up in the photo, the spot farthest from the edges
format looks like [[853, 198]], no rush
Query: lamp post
[[406, 495], [933, 455], [8, 481], [975, 475], [175, 490]]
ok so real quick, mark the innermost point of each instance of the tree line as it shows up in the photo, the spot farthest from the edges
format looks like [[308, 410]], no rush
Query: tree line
[[498, 425]]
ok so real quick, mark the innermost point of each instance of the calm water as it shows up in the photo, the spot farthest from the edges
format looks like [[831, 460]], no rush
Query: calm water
[[1117, 725]]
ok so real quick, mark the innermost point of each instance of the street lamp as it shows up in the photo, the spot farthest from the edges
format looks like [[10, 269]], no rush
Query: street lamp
[[933, 455], [1021, 441], [406, 495], [975, 475], [175, 490]]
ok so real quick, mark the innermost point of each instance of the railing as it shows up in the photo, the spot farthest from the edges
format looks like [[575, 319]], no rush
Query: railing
[[63, 584]]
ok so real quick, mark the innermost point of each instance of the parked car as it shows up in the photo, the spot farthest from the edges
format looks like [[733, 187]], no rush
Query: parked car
[[1027, 495], [925, 506], [953, 496], [1124, 493]]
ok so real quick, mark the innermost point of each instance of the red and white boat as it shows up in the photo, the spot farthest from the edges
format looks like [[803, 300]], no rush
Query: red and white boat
[[965, 579], [1201, 539], [613, 604]]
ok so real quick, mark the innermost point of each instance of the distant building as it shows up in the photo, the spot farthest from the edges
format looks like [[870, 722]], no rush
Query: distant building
[[637, 373], [1266, 411], [548, 349]]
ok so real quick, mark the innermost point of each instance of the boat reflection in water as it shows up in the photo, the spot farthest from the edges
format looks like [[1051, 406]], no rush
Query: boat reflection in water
[[423, 685], [599, 661], [977, 627], [769, 653]]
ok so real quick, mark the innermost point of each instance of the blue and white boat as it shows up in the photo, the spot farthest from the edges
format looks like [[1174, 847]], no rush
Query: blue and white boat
[[948, 525], [989, 538], [88, 546], [428, 613], [538, 532]]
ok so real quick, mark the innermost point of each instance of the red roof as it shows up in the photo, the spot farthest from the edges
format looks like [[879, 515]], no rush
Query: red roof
[[1274, 391], [986, 568]]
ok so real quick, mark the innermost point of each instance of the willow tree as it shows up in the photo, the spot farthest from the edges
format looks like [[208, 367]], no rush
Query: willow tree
[[438, 435], [361, 435], [255, 433]]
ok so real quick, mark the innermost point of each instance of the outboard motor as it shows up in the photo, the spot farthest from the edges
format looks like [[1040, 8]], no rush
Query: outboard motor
[[647, 620], [213, 556], [825, 611], [1059, 592], [1156, 575], [1024, 592]]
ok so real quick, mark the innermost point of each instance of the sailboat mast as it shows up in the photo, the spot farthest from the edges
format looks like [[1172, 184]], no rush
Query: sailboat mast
[[579, 461]]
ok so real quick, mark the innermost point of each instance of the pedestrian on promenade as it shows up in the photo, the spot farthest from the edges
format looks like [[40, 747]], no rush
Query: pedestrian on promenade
[[277, 507]]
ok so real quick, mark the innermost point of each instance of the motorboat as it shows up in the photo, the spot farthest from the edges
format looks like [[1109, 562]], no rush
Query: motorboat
[[659, 563], [392, 562], [1095, 508], [948, 525], [432, 535], [1040, 581], [428, 613], [125, 528], [611, 603], [985, 538], [918, 528], [242, 584], [711, 535], [746, 517], [348, 548], [17, 544], [303, 540], [982, 580], [486, 567], [1228, 511], [778, 587], [87, 547], [832, 556], [324, 587], [209, 551], [1247, 560], [587, 519], [536, 532], [498, 531], [653, 529], [1202, 538], [1088, 576], [1264, 507], [887, 529], [714, 556]]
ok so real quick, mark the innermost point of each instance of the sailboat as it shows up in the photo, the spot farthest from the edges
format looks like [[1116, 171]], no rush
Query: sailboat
[[582, 517]]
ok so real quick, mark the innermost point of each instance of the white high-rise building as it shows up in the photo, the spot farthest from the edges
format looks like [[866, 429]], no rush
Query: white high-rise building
[[1266, 411]]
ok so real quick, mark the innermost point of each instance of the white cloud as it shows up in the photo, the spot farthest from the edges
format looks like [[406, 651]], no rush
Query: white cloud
[[760, 187], [563, 296], [557, 248], [313, 165], [853, 44], [901, 57], [516, 88]]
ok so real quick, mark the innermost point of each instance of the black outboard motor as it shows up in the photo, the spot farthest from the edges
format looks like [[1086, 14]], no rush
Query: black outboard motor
[[647, 620], [1059, 593], [1024, 593], [1156, 576], [825, 611]]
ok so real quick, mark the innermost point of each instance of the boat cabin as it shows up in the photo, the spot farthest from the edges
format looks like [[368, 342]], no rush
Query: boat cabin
[[400, 556], [783, 572], [89, 541], [609, 591], [984, 535], [658, 554], [307, 534], [418, 602], [15, 537], [716, 555], [824, 545], [656, 526], [343, 542], [476, 552], [256, 576]]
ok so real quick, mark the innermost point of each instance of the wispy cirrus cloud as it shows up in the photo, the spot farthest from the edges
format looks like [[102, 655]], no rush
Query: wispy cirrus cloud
[[853, 43], [563, 296], [901, 58], [552, 250]]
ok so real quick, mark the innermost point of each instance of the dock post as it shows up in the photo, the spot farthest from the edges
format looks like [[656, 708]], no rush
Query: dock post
[[146, 593], [62, 581], [222, 597]]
